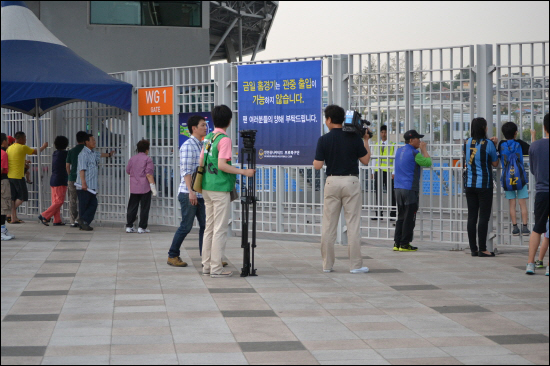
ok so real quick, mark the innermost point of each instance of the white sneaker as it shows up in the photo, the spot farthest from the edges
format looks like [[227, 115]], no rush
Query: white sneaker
[[130, 230], [360, 270], [6, 236], [143, 231], [328, 270]]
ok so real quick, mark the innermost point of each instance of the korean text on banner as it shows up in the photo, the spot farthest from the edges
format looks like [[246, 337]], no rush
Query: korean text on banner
[[155, 101], [283, 102]]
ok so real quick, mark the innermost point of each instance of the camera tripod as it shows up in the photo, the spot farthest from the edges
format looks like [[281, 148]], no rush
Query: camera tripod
[[248, 199]]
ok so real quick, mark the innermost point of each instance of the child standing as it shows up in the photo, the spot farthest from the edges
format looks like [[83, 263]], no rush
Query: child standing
[[507, 148]]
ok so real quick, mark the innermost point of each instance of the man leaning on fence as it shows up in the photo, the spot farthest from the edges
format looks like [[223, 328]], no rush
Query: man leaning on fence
[[72, 165], [341, 151], [87, 182]]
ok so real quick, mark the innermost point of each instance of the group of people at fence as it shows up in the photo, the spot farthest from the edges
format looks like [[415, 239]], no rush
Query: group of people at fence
[[76, 170]]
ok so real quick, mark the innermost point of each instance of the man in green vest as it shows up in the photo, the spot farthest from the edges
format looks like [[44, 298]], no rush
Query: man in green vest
[[217, 183], [386, 153]]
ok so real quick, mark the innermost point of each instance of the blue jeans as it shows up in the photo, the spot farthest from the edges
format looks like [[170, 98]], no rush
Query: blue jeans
[[87, 206], [188, 214]]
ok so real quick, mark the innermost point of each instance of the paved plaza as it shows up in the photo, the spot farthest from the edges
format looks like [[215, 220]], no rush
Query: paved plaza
[[106, 297]]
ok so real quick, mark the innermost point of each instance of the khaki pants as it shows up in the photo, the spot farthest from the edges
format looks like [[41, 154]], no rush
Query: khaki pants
[[6, 197], [341, 192], [73, 202], [218, 205]]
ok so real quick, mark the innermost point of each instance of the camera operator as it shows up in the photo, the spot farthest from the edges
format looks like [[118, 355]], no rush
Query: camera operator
[[408, 167], [341, 150], [386, 152]]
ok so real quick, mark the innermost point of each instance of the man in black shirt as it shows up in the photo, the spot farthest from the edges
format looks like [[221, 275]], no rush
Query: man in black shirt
[[341, 151]]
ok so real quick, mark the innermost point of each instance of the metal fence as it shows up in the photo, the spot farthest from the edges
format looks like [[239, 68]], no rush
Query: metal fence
[[436, 91]]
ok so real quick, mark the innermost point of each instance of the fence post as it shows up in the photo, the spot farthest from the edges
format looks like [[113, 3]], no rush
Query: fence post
[[341, 98], [485, 69], [222, 95]]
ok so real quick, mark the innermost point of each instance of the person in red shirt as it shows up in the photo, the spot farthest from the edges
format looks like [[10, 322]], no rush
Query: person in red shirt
[[6, 190]]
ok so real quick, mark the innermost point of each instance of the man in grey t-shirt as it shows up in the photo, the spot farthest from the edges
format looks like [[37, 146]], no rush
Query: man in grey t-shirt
[[538, 159]]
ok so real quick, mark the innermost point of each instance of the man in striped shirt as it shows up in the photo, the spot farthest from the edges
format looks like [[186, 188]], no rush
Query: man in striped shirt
[[192, 203], [86, 182]]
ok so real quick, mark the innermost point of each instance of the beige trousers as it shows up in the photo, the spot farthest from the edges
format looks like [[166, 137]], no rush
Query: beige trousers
[[341, 192], [218, 205]]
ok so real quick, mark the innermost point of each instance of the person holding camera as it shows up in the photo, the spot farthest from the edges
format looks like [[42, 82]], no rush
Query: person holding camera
[[408, 168], [341, 151], [217, 183]]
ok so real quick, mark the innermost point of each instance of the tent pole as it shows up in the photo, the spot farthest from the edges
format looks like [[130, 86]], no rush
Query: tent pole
[[37, 139]]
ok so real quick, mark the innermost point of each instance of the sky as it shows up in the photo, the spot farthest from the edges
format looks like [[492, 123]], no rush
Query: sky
[[315, 28]]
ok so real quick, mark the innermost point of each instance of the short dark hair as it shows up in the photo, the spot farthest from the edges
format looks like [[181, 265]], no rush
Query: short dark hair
[[81, 136], [479, 125], [61, 142], [509, 130], [335, 113], [3, 138], [19, 134], [221, 114], [143, 146], [88, 135], [547, 122], [194, 121], [384, 128]]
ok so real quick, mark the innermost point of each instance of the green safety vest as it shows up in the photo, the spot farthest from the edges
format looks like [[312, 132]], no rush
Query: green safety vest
[[386, 157], [214, 179]]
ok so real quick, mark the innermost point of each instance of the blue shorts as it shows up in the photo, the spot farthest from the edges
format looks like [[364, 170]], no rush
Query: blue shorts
[[521, 194]]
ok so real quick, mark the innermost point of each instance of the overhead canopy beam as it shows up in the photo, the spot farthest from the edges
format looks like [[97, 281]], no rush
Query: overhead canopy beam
[[224, 36]]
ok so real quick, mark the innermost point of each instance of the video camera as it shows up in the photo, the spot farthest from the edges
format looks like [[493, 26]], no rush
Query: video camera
[[249, 138], [354, 123]]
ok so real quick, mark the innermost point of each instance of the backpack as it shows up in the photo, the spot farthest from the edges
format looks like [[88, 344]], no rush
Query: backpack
[[514, 177]]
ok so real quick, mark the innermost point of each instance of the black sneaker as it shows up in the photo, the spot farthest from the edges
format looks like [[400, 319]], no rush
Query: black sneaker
[[515, 231], [525, 230], [408, 248]]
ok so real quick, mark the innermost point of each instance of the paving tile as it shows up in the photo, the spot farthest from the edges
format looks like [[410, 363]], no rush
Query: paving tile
[[426, 361], [21, 360], [415, 287], [411, 353], [212, 359], [231, 290], [281, 357], [345, 355], [77, 360], [24, 351], [140, 359], [271, 346], [63, 261], [45, 293], [46, 275], [232, 347], [494, 360], [520, 339], [249, 313], [31, 318], [354, 344], [460, 309], [67, 351]]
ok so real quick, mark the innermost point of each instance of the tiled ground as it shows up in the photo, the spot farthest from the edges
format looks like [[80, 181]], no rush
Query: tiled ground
[[70, 297]]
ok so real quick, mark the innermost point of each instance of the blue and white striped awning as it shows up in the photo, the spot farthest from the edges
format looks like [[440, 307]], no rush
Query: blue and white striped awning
[[38, 66]]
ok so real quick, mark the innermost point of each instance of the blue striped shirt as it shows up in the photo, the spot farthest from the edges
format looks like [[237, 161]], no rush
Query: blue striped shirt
[[88, 160], [480, 154], [190, 153]]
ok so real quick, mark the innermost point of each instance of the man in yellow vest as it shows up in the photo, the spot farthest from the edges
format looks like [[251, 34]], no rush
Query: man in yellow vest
[[386, 154]]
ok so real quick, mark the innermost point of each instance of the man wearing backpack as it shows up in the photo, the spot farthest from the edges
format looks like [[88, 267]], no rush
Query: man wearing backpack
[[514, 177]]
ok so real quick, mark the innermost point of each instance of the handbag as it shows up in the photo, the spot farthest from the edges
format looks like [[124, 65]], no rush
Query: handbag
[[196, 178], [234, 194]]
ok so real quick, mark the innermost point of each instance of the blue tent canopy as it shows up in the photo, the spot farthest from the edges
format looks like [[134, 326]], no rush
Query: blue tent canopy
[[37, 68]]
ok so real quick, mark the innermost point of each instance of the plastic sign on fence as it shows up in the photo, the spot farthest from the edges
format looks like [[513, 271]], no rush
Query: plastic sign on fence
[[283, 102], [184, 117], [155, 101]]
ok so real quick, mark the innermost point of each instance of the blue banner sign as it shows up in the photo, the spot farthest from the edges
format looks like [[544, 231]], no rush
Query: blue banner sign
[[283, 102], [184, 117]]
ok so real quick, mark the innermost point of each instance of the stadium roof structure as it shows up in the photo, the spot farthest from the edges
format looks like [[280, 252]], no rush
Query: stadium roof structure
[[236, 23]]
